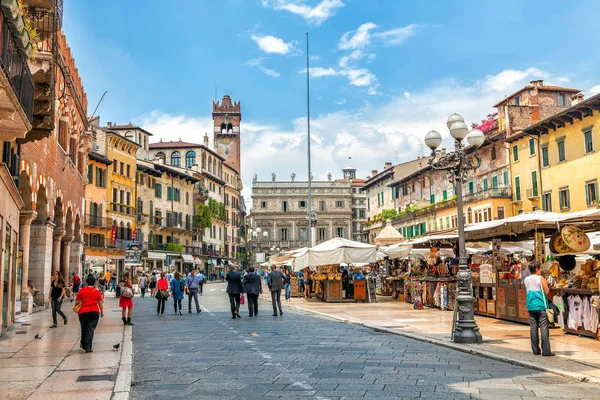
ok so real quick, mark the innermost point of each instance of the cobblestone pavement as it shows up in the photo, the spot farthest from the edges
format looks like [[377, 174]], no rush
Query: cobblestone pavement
[[299, 356]]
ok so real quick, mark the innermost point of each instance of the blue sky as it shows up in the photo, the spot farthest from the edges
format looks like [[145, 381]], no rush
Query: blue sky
[[384, 72]]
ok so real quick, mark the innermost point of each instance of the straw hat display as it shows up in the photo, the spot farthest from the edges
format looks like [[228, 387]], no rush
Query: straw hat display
[[575, 239], [558, 245]]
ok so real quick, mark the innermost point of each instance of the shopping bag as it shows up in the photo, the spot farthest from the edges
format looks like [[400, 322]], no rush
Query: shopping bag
[[242, 299]]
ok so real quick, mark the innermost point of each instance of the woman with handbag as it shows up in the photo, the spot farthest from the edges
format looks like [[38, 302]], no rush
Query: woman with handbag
[[177, 289], [162, 294], [126, 299], [537, 305], [90, 308], [57, 295]]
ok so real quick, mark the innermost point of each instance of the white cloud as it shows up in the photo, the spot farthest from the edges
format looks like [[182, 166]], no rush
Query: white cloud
[[357, 39], [507, 78], [595, 90], [272, 44], [392, 130], [314, 57], [255, 62], [398, 35], [270, 72], [318, 72], [340, 102], [315, 15]]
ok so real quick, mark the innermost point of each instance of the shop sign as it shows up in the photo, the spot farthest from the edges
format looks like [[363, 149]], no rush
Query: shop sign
[[260, 257], [113, 236], [497, 254], [133, 253], [539, 243], [486, 273]]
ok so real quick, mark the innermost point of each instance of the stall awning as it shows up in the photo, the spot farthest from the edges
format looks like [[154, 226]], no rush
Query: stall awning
[[187, 257], [154, 255]]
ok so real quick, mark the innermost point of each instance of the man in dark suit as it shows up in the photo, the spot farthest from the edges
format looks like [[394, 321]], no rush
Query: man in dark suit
[[234, 289], [275, 282], [252, 287]]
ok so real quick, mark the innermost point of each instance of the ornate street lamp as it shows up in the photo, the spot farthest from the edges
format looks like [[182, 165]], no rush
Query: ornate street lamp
[[459, 163], [312, 226]]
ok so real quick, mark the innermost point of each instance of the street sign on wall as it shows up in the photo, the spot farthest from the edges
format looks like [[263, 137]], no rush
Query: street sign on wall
[[260, 257]]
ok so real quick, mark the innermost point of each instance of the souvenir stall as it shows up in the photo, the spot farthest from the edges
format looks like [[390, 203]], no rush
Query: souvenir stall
[[575, 281], [395, 271], [326, 259]]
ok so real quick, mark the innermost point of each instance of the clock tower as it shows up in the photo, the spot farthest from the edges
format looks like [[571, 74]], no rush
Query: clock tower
[[226, 120]]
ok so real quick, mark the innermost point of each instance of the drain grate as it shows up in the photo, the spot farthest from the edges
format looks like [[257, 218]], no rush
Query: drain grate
[[554, 380], [25, 324], [20, 332], [94, 378]]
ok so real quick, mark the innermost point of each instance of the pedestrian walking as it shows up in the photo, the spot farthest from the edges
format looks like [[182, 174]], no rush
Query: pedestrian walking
[[275, 283], [113, 281], [222, 275], [101, 284], [307, 284], [253, 288], [287, 284], [76, 285], [126, 299], [537, 290], [201, 281], [177, 289], [234, 290], [57, 294], [192, 283], [142, 285], [153, 284], [90, 312], [162, 286]]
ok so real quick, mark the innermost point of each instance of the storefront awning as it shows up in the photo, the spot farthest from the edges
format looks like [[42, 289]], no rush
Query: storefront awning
[[187, 257], [156, 255]]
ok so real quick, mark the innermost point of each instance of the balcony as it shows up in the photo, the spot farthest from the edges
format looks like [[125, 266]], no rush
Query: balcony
[[16, 82], [490, 193], [122, 208], [141, 219], [533, 194], [95, 221]]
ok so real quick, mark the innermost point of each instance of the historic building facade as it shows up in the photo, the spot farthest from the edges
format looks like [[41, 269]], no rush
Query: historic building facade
[[53, 162]]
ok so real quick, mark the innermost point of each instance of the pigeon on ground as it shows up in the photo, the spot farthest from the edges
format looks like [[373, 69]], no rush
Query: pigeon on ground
[[39, 336], [116, 346]]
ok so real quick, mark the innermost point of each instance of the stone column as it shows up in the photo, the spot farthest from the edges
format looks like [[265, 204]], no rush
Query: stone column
[[25, 219], [75, 258], [65, 257], [56, 245], [40, 258]]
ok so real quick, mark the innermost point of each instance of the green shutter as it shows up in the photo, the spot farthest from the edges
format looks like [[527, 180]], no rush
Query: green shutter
[[515, 153], [485, 184], [423, 228], [561, 203], [382, 200], [445, 195], [587, 193], [531, 146], [90, 173], [432, 199], [471, 187], [506, 181], [517, 188], [534, 183], [568, 199], [596, 191], [494, 182]]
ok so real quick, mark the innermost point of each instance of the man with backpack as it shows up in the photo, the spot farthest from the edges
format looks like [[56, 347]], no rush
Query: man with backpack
[[113, 281], [201, 281]]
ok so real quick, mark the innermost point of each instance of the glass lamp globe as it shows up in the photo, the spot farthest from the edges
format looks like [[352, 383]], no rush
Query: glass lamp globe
[[433, 140], [475, 138], [454, 118], [265, 233], [258, 230], [459, 130]]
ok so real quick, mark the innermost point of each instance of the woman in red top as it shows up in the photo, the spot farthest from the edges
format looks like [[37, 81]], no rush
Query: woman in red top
[[163, 286], [92, 308], [125, 303]]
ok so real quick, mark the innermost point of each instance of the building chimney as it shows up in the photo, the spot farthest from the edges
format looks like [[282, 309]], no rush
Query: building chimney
[[577, 98], [387, 165], [537, 84], [373, 172], [109, 123], [205, 139]]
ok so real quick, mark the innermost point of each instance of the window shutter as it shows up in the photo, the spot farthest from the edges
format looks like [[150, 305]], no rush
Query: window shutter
[[432, 199], [90, 173], [485, 184], [445, 195], [595, 191], [587, 194], [568, 199]]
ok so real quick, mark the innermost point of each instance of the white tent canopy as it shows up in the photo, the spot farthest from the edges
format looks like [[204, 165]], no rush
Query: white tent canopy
[[388, 235], [396, 250], [335, 251]]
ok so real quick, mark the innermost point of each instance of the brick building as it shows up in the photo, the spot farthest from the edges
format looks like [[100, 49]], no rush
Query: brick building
[[53, 160]]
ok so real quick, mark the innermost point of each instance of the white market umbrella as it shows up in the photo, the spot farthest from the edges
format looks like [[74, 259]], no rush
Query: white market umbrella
[[335, 251]]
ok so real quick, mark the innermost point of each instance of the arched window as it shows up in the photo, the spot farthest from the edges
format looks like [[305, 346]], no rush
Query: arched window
[[203, 160], [161, 156], [176, 159], [130, 135], [190, 159], [223, 128], [230, 128], [215, 166]]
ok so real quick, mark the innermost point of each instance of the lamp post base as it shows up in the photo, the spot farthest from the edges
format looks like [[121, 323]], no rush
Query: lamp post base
[[467, 332]]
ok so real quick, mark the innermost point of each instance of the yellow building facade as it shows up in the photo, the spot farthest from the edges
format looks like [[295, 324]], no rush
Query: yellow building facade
[[568, 155]]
